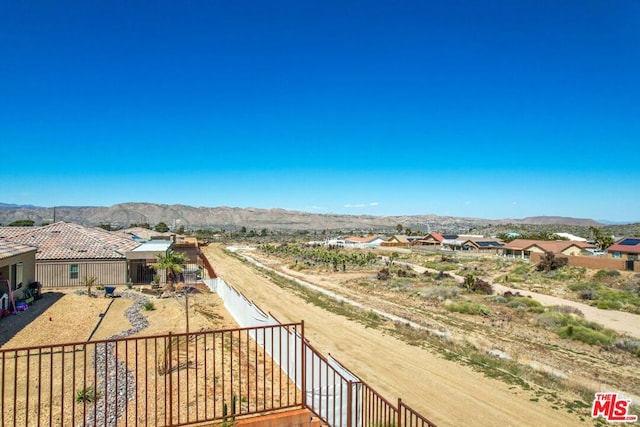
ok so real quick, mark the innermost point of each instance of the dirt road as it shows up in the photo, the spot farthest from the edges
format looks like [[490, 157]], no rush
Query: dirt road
[[446, 392]]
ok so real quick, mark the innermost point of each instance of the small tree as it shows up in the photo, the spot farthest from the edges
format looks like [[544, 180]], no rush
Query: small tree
[[550, 262], [161, 227], [172, 263], [89, 282]]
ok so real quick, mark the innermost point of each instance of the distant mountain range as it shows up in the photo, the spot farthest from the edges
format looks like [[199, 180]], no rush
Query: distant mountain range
[[228, 218]]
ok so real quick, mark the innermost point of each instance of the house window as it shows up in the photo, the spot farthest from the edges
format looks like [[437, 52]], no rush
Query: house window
[[74, 271], [616, 255]]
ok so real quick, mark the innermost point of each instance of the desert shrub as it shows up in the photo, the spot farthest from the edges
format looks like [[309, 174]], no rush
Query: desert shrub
[[148, 306], [606, 274], [440, 292], [627, 344], [499, 299], [405, 272], [567, 309], [469, 307], [551, 262], [384, 274], [440, 266], [372, 315], [584, 334], [553, 320], [520, 270], [472, 284], [528, 304], [569, 326], [442, 276]]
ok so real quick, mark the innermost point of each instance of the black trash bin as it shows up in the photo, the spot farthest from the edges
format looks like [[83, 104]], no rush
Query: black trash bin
[[36, 290]]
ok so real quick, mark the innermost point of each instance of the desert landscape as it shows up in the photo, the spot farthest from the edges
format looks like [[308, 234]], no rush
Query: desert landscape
[[447, 368], [443, 364]]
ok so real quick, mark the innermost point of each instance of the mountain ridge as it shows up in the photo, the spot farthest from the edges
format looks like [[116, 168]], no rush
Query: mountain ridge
[[234, 218]]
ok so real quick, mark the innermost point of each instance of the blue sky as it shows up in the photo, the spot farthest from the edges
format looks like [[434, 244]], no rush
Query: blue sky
[[489, 109]]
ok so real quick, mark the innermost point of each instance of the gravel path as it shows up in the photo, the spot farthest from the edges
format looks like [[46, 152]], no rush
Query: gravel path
[[118, 378]]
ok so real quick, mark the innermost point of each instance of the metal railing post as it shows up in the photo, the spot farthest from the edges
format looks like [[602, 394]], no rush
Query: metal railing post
[[168, 361], [303, 365]]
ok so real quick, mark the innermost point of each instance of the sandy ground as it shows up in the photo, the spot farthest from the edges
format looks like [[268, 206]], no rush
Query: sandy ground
[[64, 316], [444, 391]]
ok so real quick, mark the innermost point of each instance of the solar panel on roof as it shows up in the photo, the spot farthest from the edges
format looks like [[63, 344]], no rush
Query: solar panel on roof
[[630, 242], [484, 244]]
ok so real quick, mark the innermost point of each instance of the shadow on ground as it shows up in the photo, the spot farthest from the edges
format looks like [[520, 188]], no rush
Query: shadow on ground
[[11, 325]]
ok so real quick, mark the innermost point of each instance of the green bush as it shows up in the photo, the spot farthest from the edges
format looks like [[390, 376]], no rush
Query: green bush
[[469, 307], [499, 299], [606, 274], [86, 394], [607, 298], [529, 304], [553, 320], [584, 334], [148, 306]]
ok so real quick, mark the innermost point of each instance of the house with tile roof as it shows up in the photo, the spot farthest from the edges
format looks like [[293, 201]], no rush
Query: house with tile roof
[[431, 239], [523, 248], [627, 249], [67, 253], [17, 270], [486, 246], [141, 234], [401, 240]]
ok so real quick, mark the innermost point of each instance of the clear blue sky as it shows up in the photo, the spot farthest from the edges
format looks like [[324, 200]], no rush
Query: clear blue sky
[[489, 109]]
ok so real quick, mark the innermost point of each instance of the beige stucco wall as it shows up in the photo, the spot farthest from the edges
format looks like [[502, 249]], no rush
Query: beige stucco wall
[[28, 261], [572, 250]]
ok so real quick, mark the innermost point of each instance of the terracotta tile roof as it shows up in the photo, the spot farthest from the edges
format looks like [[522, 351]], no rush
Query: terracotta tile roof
[[628, 245], [8, 232], [64, 240], [553, 246], [438, 237], [9, 249]]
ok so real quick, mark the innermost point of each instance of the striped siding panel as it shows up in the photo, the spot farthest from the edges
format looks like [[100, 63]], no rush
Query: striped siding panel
[[57, 274]]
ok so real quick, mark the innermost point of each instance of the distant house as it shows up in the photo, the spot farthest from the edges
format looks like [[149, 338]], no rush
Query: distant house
[[397, 240], [523, 248], [488, 246], [431, 239], [17, 269], [67, 253], [141, 234], [363, 242], [571, 237], [628, 249]]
